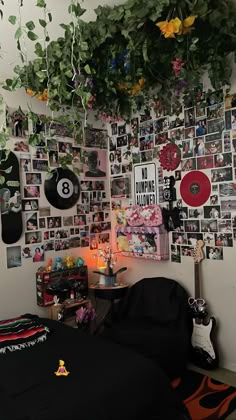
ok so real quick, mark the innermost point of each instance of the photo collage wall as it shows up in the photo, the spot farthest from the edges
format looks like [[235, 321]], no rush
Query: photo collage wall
[[206, 136], [87, 224]]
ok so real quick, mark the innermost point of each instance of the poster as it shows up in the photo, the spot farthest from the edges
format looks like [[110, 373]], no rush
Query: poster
[[145, 184]]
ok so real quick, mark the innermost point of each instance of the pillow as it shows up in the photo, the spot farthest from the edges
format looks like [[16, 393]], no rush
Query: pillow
[[21, 332]]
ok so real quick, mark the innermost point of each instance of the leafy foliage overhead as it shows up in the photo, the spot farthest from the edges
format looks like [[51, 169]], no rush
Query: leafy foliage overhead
[[133, 54]]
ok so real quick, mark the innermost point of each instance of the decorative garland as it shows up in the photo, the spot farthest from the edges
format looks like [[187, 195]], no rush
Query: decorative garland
[[132, 56]]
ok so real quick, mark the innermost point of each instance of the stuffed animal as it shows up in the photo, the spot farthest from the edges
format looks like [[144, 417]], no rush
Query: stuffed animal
[[49, 265], [122, 243], [79, 262]]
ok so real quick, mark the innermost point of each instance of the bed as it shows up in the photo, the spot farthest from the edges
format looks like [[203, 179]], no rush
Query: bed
[[106, 381]]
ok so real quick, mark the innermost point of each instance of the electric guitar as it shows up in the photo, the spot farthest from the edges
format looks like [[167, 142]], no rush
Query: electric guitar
[[203, 351]]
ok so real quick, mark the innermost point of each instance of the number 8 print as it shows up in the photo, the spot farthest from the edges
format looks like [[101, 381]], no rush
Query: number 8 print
[[65, 188]]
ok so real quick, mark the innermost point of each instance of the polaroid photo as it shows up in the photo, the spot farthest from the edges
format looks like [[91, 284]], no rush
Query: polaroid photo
[[209, 238]]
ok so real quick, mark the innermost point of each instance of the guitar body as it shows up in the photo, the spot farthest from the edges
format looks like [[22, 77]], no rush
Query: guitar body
[[203, 352]]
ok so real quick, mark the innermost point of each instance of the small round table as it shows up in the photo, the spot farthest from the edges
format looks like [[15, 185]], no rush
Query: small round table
[[111, 293]]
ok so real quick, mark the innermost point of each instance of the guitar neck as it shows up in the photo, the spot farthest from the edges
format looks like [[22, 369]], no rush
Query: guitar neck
[[197, 280]]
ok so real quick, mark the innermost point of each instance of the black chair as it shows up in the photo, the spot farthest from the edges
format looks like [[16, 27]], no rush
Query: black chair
[[154, 320]]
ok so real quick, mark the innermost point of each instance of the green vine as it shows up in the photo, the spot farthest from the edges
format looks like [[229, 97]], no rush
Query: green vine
[[122, 61]]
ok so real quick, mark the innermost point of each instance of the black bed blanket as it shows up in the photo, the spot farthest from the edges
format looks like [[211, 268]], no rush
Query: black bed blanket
[[106, 382]]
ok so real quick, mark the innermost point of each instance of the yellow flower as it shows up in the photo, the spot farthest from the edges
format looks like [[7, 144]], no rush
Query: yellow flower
[[170, 28], [186, 25], [30, 92]]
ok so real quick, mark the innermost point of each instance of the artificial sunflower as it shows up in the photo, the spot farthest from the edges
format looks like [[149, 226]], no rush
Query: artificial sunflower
[[186, 25]]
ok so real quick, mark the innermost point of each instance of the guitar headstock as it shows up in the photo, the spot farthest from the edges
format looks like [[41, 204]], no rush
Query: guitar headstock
[[198, 254]]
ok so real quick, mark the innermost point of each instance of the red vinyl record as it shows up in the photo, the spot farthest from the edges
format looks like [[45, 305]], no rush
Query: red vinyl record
[[195, 188]]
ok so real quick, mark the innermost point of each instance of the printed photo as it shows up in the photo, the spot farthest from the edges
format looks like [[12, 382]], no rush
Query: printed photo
[[201, 128], [189, 117], [209, 226], [25, 162], [223, 159], [103, 238], [93, 241], [193, 238], [95, 166], [21, 146], [215, 126], [62, 234], [33, 178], [114, 129], [227, 190], [146, 128], [17, 125], [189, 133], [205, 162], [42, 223], [53, 222], [200, 111], [61, 130], [192, 226], [225, 226], [80, 220], [230, 101], [199, 146], [53, 158], [122, 141], [209, 239], [214, 199], [162, 124], [187, 251], [74, 242], [161, 138], [95, 137], [40, 153], [219, 175], [228, 205], [213, 147], [26, 252], [31, 191], [62, 244], [120, 187], [147, 142], [215, 111], [13, 256], [40, 165], [33, 237], [211, 212], [188, 164], [29, 205], [179, 238], [112, 144], [37, 253], [49, 246], [177, 134], [64, 147], [213, 253], [31, 221], [175, 253], [227, 141], [146, 156], [195, 213], [215, 97], [68, 221], [187, 149], [224, 239], [121, 130]]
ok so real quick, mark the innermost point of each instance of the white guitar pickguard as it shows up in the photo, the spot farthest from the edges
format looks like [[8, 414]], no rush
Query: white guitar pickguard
[[201, 337]]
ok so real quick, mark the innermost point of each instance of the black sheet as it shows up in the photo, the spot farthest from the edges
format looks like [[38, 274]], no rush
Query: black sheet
[[106, 382]]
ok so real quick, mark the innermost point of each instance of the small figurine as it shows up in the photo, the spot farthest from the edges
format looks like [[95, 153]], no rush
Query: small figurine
[[61, 371], [49, 265], [59, 264], [69, 262], [79, 262], [56, 300]]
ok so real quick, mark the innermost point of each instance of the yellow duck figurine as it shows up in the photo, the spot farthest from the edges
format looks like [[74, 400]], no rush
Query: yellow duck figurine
[[61, 371]]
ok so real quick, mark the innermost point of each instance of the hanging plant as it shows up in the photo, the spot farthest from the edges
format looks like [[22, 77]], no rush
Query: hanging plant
[[134, 54]]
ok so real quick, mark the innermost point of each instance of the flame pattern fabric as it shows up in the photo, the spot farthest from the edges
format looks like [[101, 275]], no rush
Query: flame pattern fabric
[[204, 397]]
